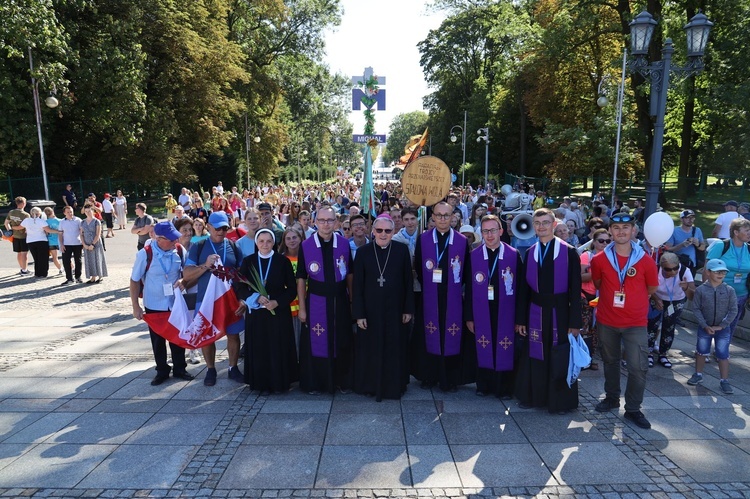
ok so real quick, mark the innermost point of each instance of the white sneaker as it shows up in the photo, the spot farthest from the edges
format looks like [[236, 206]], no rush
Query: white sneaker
[[194, 357]]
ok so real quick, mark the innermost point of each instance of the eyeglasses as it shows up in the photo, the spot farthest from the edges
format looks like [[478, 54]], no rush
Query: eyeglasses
[[490, 231], [542, 223], [358, 226], [603, 241], [442, 216], [719, 271], [325, 220], [671, 269], [221, 229], [380, 231], [621, 218]]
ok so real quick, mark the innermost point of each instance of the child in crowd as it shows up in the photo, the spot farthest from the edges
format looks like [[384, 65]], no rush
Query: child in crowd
[[714, 306]]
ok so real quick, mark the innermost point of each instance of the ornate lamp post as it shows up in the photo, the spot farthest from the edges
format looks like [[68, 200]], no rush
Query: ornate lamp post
[[641, 32], [463, 147], [486, 138]]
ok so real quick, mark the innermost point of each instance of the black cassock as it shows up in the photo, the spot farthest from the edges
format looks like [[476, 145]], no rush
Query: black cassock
[[491, 382], [326, 374], [381, 359], [537, 383], [446, 371], [270, 349]]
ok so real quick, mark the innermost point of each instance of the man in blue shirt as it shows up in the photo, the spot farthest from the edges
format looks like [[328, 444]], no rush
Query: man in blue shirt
[[159, 281], [686, 239], [202, 256]]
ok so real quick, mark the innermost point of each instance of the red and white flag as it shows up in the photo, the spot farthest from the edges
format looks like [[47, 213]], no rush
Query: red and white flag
[[211, 320]]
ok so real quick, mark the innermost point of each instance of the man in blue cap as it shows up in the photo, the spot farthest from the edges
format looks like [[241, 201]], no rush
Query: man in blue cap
[[202, 256], [159, 272]]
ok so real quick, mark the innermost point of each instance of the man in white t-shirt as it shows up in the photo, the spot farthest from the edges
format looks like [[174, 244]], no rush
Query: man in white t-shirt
[[721, 227], [184, 199]]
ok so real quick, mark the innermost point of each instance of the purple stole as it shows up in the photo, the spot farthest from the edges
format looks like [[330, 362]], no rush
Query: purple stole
[[316, 311], [506, 311], [456, 249], [560, 285]]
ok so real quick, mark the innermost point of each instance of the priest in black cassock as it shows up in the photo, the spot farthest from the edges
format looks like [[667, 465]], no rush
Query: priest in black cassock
[[383, 305], [442, 353], [548, 307], [324, 279], [490, 310]]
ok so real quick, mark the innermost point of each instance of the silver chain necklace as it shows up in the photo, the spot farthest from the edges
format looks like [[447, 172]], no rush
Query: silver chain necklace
[[381, 279]]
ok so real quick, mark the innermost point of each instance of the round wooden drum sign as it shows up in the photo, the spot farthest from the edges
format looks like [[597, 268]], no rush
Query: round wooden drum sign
[[426, 181]]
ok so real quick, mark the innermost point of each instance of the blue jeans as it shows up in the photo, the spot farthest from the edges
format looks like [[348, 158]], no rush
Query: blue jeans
[[722, 339], [635, 341]]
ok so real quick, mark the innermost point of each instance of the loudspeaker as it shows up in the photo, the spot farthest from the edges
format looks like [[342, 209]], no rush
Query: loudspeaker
[[522, 226]]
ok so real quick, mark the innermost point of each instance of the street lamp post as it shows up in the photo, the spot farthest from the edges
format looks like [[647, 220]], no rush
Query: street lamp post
[[603, 101], [486, 138], [299, 172], [463, 147], [52, 103], [641, 32], [256, 139]]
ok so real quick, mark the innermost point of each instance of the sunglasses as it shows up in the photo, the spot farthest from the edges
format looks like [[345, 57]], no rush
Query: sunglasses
[[221, 229], [621, 218], [671, 269], [603, 241], [380, 231]]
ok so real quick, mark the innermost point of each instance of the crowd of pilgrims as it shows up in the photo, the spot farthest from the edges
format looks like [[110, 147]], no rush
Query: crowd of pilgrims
[[363, 303]]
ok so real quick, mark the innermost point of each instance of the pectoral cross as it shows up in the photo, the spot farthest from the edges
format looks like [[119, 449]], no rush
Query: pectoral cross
[[381, 280], [505, 343], [319, 329], [483, 341]]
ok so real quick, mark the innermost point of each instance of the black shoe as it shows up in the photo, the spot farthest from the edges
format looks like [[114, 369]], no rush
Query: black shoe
[[210, 379], [184, 375], [426, 385], [79, 280], [639, 419], [480, 393], [66, 283], [313, 392], [159, 379], [521, 405], [607, 405], [236, 375], [345, 391]]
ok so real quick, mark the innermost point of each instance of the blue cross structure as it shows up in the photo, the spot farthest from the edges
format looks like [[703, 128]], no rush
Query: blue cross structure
[[368, 72], [358, 93]]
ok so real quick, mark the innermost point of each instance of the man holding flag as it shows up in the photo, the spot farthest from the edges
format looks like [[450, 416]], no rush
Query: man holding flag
[[202, 256], [159, 277]]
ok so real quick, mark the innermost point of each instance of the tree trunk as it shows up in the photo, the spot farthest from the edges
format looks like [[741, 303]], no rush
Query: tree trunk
[[684, 186]]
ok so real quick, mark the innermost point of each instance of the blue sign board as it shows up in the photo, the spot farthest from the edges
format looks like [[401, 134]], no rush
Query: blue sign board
[[363, 139]]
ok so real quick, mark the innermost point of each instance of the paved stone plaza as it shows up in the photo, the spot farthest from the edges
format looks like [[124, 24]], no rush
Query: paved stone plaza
[[78, 418]]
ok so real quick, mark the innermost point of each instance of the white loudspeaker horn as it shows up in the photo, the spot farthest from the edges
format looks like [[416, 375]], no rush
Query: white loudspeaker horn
[[522, 226]]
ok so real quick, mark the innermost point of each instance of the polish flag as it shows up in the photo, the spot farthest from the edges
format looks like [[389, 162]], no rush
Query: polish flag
[[211, 320]]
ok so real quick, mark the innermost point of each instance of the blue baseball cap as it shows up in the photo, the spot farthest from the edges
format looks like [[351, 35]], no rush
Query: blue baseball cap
[[218, 219], [166, 229], [716, 265]]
